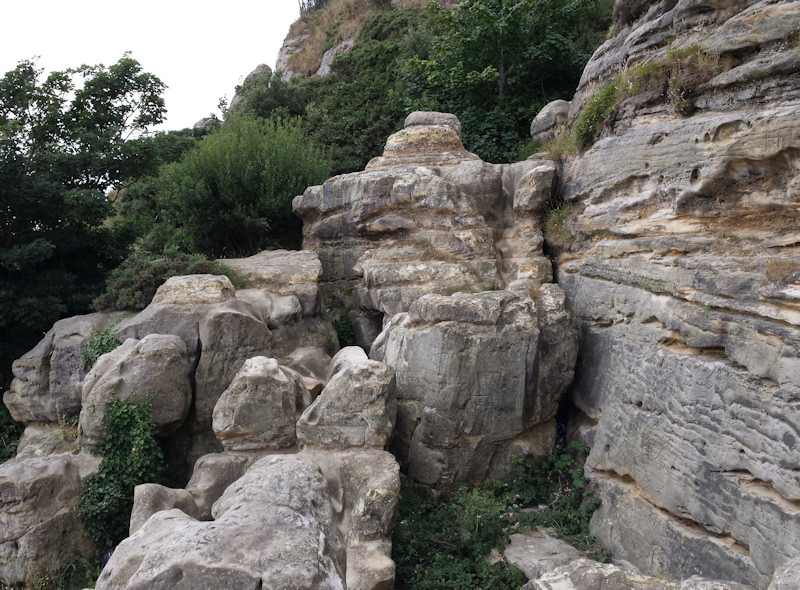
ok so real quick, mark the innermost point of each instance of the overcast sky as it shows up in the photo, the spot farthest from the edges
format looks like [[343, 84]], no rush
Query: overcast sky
[[200, 50]]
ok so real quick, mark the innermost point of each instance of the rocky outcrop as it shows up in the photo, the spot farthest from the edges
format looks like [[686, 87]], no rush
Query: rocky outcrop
[[682, 269], [39, 528]]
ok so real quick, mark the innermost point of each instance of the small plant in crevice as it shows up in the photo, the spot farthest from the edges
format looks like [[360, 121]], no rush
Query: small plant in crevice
[[556, 231], [131, 456], [343, 325], [595, 115], [99, 343], [81, 573], [10, 431]]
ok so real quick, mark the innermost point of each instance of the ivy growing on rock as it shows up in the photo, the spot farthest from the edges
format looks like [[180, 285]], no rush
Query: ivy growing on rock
[[131, 456]]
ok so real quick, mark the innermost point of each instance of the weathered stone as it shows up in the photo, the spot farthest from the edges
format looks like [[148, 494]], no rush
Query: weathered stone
[[48, 378], [357, 408], [311, 363], [537, 553], [283, 272], [787, 576], [259, 408], [157, 368], [149, 498], [332, 53], [346, 356], [549, 120], [433, 118], [212, 474], [469, 384], [585, 574], [289, 541], [39, 529], [194, 289]]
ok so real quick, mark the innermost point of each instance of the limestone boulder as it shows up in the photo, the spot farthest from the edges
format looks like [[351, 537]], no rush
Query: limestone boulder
[[357, 408], [39, 529], [211, 476], [787, 576], [157, 367], [472, 384], [273, 528], [149, 498], [537, 553], [48, 379], [259, 408], [311, 363]]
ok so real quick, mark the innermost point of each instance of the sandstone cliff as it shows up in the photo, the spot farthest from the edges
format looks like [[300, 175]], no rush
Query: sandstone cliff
[[683, 267]]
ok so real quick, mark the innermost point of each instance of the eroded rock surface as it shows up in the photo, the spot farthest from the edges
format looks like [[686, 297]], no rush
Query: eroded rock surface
[[473, 385], [682, 266], [39, 528]]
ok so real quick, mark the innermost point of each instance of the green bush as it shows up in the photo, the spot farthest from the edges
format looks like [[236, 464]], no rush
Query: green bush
[[10, 431], [131, 456], [99, 343], [442, 542], [231, 195], [561, 494], [133, 284]]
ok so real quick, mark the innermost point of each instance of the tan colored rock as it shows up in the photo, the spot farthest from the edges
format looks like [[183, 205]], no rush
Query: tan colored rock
[[194, 289], [212, 474], [150, 498], [157, 368], [39, 530], [259, 408], [550, 121]]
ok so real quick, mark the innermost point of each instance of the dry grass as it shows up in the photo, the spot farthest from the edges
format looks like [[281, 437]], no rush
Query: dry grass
[[327, 27]]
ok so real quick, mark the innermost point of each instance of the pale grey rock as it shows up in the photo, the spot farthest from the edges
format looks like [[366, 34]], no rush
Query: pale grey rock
[[332, 53], [48, 379], [47, 438], [39, 529], [787, 576], [586, 574], [346, 356], [289, 541], [212, 474], [311, 363], [291, 45], [468, 384], [259, 408], [550, 120], [149, 498], [357, 408], [157, 368], [537, 553]]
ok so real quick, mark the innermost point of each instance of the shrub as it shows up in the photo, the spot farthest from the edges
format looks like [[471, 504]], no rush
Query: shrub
[[10, 431], [133, 284], [131, 456], [441, 542], [562, 495], [232, 193]]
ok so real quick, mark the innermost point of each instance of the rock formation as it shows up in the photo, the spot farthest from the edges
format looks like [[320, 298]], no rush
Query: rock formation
[[682, 267]]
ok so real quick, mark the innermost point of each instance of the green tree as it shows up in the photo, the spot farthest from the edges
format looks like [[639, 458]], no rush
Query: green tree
[[64, 141], [495, 63], [231, 195]]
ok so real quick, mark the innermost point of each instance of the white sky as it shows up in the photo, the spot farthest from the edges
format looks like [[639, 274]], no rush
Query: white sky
[[200, 50]]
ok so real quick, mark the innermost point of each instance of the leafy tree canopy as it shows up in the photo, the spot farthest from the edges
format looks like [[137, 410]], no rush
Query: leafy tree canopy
[[64, 140], [496, 63]]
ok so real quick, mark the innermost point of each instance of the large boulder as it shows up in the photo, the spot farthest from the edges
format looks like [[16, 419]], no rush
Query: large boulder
[[357, 408], [259, 408], [39, 529], [475, 382], [156, 368], [48, 379], [273, 527]]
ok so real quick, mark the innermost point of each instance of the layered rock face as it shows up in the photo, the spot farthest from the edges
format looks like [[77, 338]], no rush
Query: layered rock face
[[684, 271]]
